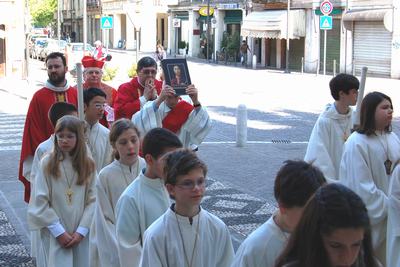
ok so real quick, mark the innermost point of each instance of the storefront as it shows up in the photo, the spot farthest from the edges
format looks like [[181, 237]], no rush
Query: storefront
[[267, 31]]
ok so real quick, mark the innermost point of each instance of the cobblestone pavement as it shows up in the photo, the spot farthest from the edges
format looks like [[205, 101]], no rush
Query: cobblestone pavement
[[12, 250]]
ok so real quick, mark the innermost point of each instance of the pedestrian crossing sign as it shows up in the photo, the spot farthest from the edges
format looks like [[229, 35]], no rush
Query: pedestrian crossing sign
[[325, 23], [106, 22]]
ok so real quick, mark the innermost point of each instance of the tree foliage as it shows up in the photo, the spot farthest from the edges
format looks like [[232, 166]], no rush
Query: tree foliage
[[42, 12]]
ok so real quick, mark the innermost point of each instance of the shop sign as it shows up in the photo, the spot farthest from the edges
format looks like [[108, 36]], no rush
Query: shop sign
[[203, 11]]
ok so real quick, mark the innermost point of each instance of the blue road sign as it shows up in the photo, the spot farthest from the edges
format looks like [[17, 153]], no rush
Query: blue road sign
[[325, 22], [106, 22]]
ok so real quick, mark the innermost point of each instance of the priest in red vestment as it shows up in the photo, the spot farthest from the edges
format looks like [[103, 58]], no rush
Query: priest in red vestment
[[131, 96], [38, 127], [92, 74]]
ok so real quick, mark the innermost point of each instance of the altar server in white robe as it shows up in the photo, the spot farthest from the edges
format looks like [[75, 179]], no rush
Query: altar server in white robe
[[333, 127], [56, 111], [295, 183], [111, 182], [186, 235], [98, 135], [367, 164], [186, 118], [62, 209], [393, 227], [145, 199]]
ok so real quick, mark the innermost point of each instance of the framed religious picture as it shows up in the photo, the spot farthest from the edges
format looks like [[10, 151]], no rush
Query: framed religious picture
[[176, 74]]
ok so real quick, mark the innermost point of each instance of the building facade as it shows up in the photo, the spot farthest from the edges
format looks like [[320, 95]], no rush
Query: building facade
[[12, 38]]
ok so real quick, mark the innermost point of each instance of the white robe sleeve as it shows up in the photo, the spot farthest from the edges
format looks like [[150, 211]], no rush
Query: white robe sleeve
[[90, 199], [393, 227], [226, 253], [197, 126], [27, 168], [40, 212], [318, 150], [147, 118], [128, 232], [356, 173], [104, 237]]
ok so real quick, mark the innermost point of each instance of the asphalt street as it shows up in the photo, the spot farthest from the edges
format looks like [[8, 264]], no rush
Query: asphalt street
[[281, 108]]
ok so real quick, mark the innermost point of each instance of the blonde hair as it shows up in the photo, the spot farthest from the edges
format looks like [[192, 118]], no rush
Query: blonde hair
[[81, 162]]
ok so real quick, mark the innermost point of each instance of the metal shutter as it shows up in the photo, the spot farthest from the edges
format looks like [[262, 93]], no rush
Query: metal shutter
[[372, 47]]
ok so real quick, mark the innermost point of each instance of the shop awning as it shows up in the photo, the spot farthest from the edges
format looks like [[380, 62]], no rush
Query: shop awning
[[233, 16], [273, 24], [384, 15]]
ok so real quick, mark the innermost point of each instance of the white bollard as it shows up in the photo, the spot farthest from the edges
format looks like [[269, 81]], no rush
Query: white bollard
[[254, 62], [241, 126]]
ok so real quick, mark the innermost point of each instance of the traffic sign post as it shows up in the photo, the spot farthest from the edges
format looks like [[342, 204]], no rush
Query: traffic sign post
[[106, 23], [325, 23]]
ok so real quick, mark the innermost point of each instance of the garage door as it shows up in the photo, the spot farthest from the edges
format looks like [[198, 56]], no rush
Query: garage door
[[372, 47]]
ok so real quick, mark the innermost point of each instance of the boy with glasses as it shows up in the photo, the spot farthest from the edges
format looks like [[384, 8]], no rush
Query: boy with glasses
[[145, 199], [92, 76], [133, 95], [186, 235], [98, 141]]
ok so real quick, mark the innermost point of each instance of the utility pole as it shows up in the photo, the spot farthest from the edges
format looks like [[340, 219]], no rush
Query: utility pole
[[208, 30], [287, 37], [58, 21]]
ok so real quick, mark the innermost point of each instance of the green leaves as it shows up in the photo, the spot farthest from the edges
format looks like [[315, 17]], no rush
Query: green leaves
[[42, 12]]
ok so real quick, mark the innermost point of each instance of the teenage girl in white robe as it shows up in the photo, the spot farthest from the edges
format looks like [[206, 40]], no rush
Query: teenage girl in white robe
[[393, 227], [367, 163], [186, 235], [62, 209], [111, 182]]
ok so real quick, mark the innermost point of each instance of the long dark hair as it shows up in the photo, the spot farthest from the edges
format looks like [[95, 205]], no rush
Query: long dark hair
[[368, 108], [333, 207]]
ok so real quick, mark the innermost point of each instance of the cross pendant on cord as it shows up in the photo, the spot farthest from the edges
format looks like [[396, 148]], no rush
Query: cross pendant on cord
[[69, 194]]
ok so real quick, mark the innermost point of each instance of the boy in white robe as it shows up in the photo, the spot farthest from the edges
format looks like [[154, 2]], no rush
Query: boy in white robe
[[145, 199], [186, 235], [333, 127], [99, 144], [111, 182], [62, 209], [187, 119], [56, 111], [295, 183], [393, 223], [367, 163]]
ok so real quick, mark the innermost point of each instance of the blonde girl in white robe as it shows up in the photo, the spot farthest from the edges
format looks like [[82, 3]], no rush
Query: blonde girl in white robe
[[111, 182], [62, 209], [186, 235], [367, 164]]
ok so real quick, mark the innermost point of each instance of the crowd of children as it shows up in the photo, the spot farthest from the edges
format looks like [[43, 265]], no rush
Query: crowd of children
[[131, 195]]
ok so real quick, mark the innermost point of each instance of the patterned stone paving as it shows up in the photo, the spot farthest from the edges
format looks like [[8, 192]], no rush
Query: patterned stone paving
[[241, 212], [12, 251]]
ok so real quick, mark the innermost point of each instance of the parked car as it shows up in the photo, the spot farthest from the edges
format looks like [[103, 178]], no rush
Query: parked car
[[74, 53], [51, 46], [36, 47]]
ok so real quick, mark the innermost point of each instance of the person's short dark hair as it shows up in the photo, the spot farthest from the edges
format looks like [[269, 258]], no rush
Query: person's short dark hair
[[146, 62], [181, 162], [91, 93], [60, 109], [296, 182], [157, 140], [57, 55], [343, 82], [367, 114], [333, 207]]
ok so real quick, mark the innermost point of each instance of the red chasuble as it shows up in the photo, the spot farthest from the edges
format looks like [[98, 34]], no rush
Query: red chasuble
[[38, 127], [177, 116], [127, 102]]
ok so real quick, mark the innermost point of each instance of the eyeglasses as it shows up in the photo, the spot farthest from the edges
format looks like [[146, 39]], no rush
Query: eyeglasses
[[190, 185], [68, 137], [100, 106], [93, 72], [148, 71]]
